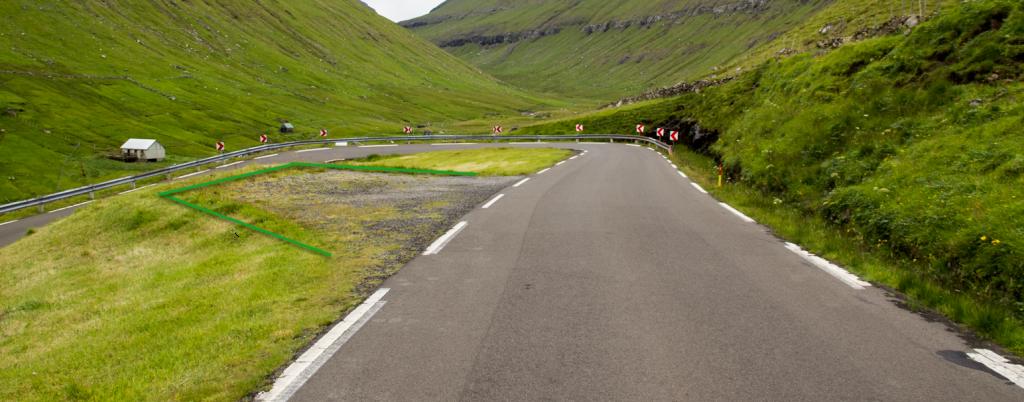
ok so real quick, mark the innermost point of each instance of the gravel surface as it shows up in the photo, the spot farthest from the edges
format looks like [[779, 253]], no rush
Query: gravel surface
[[386, 218]]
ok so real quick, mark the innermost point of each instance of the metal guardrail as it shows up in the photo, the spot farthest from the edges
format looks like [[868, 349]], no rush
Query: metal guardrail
[[92, 189]]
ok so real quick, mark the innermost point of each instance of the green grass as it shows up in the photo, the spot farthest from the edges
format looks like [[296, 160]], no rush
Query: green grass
[[135, 298], [78, 78], [907, 146], [487, 161]]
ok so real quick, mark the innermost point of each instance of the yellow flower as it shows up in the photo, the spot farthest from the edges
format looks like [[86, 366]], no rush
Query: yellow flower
[[984, 238], [996, 242]]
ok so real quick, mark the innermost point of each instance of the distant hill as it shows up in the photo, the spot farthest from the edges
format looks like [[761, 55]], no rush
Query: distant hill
[[78, 78], [614, 49]]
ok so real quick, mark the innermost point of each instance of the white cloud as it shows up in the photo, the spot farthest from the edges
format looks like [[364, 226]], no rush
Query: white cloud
[[401, 10]]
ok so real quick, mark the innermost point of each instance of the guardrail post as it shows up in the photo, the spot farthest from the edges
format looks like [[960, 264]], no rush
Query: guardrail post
[[42, 208], [133, 185]]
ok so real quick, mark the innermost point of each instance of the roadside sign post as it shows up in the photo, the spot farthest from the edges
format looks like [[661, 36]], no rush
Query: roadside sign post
[[721, 173]]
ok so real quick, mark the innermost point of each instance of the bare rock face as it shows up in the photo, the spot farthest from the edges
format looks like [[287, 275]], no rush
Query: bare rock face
[[680, 88]]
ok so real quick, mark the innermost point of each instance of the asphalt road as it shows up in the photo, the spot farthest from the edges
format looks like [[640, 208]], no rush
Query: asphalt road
[[610, 277]]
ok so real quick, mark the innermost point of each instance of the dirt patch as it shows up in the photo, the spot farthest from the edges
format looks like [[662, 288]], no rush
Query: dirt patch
[[383, 219]]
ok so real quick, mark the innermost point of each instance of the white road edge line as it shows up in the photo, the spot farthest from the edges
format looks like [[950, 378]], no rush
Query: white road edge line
[[335, 160], [9, 222], [230, 165], [699, 188], [293, 377], [737, 213], [494, 200], [560, 163], [525, 143], [542, 171], [442, 241], [378, 146], [635, 145], [136, 189], [999, 364], [683, 174], [265, 157], [455, 143], [311, 150], [674, 166], [71, 206], [191, 174], [577, 156], [843, 275], [521, 182]]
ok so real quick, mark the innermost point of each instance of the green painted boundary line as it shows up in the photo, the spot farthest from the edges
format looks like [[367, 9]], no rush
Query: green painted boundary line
[[169, 195]]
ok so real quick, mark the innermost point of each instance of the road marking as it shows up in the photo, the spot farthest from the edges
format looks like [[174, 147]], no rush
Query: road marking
[[335, 160], [634, 145], [521, 182], [488, 205], [999, 364], [559, 163], [594, 143], [309, 362], [832, 269], [683, 174], [265, 157], [378, 146], [526, 143], [311, 150], [542, 171], [674, 166], [135, 189], [455, 143], [72, 206], [577, 156], [9, 222], [737, 213], [192, 174], [230, 165], [442, 241], [699, 188]]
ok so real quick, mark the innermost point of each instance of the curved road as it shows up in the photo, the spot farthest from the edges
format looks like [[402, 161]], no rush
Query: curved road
[[611, 277]]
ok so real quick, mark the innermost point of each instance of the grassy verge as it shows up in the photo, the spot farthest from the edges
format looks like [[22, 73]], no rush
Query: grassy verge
[[873, 262], [488, 162], [135, 298]]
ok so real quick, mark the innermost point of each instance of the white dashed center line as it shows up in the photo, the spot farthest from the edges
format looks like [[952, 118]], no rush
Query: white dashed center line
[[69, 207], [265, 157], [192, 174], [230, 165], [311, 150], [9, 222]]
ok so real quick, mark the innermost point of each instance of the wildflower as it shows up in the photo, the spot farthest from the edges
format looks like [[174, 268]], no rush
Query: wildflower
[[996, 242], [984, 238]]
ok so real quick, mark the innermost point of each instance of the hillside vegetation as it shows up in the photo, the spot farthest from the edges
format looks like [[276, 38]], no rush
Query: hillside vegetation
[[910, 144], [78, 78]]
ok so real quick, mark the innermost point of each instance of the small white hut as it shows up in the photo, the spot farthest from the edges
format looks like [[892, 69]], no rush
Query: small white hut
[[143, 150]]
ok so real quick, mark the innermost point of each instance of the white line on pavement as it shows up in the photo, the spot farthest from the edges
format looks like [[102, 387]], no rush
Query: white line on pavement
[[334, 160], [442, 241], [699, 188], [683, 174], [454, 143], [559, 163], [229, 165], [135, 189], [311, 150], [999, 364], [489, 204], [378, 146], [72, 206], [542, 171], [577, 156], [9, 222], [737, 213], [521, 182], [634, 145], [843, 275], [674, 166], [526, 143], [192, 174], [265, 157], [309, 362]]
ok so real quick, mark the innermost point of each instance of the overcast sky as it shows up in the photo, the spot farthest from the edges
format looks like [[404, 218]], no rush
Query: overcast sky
[[401, 10]]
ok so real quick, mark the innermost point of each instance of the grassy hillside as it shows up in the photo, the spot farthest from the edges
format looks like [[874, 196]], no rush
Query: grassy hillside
[[78, 78], [908, 144], [602, 49]]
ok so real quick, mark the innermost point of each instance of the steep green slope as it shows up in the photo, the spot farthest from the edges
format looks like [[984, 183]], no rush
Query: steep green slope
[[911, 145], [606, 49], [78, 78]]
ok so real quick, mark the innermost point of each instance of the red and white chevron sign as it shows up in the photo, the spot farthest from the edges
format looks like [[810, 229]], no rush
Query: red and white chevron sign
[[579, 128], [674, 136], [660, 131], [407, 130], [640, 128], [264, 139], [498, 129], [220, 145], [323, 132]]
